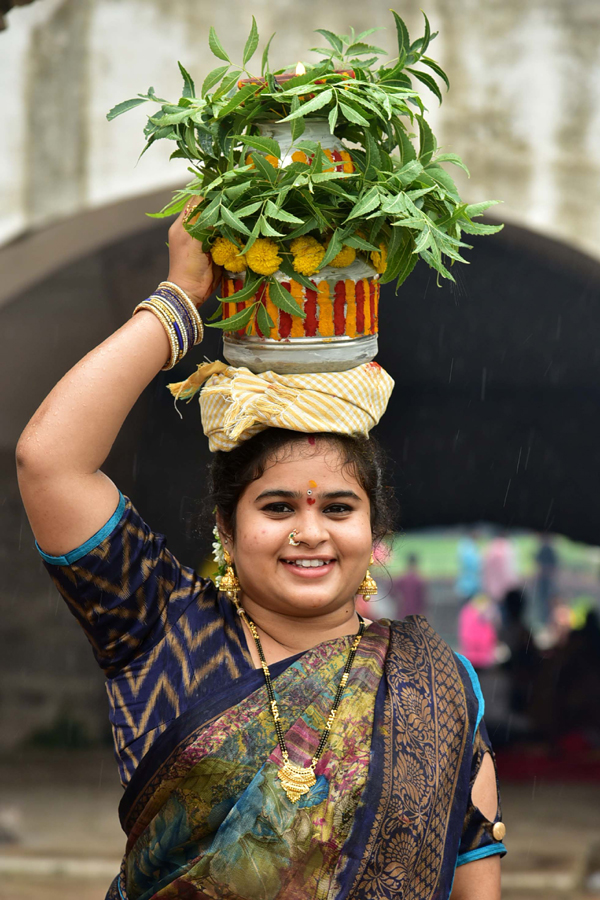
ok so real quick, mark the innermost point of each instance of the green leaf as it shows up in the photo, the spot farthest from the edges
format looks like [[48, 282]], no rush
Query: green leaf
[[400, 251], [208, 217], [333, 117], [263, 144], [373, 159], [403, 36], [282, 299], [435, 68], [126, 105], [238, 98], [297, 127], [359, 49], [454, 159], [479, 228], [213, 78], [233, 221], [267, 229], [310, 225], [255, 234], [226, 85], [335, 245], [216, 46], [252, 283], [359, 243], [426, 39], [235, 322], [264, 320], [251, 43], [320, 177], [430, 82], [427, 142], [352, 115], [189, 88], [333, 39], [317, 102], [265, 57], [265, 168], [249, 208], [274, 212], [370, 201], [477, 209]]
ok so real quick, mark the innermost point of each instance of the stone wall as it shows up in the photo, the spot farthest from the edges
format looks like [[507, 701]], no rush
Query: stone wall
[[524, 107]]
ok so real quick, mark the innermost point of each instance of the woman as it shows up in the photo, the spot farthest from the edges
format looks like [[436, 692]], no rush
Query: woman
[[293, 750]]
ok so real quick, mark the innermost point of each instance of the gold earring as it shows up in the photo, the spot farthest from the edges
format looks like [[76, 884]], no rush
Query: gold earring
[[368, 586], [229, 582]]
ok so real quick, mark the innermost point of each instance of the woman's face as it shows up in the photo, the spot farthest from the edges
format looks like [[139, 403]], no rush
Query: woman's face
[[307, 491]]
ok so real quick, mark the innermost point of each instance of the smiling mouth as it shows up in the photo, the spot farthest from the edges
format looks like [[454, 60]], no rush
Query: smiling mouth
[[307, 563]]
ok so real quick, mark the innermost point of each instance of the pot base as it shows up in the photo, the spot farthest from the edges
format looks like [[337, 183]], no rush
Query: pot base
[[299, 355]]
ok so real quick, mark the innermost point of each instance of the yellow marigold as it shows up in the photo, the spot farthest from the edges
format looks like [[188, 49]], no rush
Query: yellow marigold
[[344, 258], [263, 256], [226, 254], [307, 253], [379, 258]]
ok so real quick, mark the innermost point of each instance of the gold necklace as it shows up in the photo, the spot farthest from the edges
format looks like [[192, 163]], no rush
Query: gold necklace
[[296, 780]]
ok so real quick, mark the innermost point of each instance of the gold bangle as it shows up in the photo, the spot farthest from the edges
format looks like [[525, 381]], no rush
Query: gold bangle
[[169, 330], [172, 317], [170, 285]]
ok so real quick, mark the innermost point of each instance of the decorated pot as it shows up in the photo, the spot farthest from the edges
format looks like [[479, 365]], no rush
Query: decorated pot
[[340, 329]]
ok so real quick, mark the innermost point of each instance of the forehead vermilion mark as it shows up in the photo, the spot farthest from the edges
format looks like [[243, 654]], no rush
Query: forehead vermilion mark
[[312, 441], [312, 484]]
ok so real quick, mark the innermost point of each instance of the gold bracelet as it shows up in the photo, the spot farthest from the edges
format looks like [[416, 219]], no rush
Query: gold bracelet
[[175, 355], [189, 304], [172, 317]]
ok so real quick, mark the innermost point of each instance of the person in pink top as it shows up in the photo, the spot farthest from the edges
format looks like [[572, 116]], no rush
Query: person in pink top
[[477, 635], [410, 591], [499, 574]]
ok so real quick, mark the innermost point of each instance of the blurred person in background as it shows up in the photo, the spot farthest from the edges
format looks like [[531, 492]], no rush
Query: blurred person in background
[[410, 590], [546, 581], [499, 571], [477, 634], [523, 662], [468, 582]]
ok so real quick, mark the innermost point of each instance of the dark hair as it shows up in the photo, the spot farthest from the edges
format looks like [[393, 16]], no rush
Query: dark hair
[[232, 472]]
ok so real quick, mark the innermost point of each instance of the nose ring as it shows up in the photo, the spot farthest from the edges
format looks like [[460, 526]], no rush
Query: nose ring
[[292, 539]]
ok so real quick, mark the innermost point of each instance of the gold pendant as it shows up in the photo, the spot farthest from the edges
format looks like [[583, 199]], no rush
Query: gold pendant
[[296, 781]]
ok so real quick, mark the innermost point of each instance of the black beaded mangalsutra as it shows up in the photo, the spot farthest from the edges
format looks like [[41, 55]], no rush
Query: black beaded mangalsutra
[[296, 780]]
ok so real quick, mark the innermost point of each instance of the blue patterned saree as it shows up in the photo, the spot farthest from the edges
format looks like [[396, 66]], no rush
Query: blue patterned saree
[[203, 810]]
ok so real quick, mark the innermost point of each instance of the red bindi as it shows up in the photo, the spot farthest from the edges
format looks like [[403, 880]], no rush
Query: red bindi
[[312, 441], [310, 500]]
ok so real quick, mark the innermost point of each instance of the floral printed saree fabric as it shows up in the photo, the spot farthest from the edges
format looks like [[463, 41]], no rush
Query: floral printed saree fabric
[[391, 814]]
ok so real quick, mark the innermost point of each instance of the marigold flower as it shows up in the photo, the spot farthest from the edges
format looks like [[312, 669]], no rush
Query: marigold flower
[[307, 253], [344, 258], [379, 258], [299, 156], [263, 256], [225, 253]]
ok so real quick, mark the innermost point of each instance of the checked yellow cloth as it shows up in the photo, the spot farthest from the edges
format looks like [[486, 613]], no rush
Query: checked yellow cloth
[[235, 404]]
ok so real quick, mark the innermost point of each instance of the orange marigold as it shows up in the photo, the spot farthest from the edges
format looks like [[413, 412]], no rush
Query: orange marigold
[[263, 256], [226, 254], [379, 258], [344, 258], [307, 253]]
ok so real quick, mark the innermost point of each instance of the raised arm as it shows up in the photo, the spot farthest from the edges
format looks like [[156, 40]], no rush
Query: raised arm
[[59, 454]]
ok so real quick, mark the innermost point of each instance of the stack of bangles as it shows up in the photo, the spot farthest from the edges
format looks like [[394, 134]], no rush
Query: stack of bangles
[[178, 316]]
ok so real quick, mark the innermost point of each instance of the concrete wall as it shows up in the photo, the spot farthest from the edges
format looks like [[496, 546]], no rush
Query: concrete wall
[[524, 107]]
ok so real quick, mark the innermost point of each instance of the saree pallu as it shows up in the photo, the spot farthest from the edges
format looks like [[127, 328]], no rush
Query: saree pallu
[[206, 815]]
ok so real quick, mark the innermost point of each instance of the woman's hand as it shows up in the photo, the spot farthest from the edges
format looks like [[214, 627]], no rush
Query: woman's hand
[[189, 266]]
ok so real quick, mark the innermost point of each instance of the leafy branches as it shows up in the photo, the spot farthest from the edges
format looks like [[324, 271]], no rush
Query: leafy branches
[[395, 191]]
